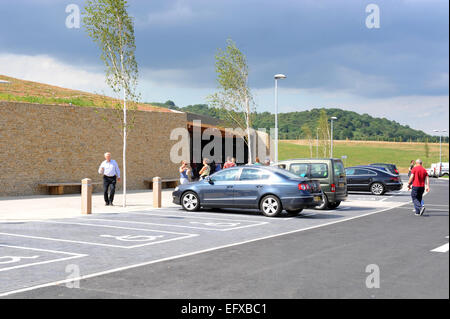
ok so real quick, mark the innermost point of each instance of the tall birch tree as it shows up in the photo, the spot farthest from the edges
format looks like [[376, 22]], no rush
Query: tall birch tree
[[108, 24], [234, 96]]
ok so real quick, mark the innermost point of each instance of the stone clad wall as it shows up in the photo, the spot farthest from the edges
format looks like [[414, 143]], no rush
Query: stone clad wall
[[48, 143]]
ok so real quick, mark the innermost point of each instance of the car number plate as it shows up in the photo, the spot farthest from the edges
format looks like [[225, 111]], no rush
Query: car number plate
[[341, 184], [317, 198]]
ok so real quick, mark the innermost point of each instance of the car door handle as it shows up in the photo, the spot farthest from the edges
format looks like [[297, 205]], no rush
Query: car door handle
[[259, 186], [230, 186]]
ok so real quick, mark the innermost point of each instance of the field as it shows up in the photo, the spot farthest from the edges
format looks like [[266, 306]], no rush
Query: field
[[366, 152]]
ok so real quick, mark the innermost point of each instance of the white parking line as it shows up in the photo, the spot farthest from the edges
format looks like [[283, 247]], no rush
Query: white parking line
[[441, 249], [230, 223], [72, 256], [189, 215]]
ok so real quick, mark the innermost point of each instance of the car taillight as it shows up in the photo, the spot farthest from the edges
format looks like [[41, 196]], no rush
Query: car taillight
[[333, 188], [396, 171], [304, 187], [394, 179]]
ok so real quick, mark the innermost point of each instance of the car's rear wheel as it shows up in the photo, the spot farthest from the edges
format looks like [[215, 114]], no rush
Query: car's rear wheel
[[324, 204], [190, 201], [294, 212], [334, 205], [270, 206], [377, 189]]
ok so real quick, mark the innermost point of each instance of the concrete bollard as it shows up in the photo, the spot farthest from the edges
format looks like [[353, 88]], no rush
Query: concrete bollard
[[86, 196], [157, 186]]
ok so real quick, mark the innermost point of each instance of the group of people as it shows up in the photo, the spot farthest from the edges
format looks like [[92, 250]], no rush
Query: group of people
[[188, 173], [209, 167]]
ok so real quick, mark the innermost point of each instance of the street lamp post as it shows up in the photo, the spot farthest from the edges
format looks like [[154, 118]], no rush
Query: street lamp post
[[332, 118], [440, 149], [277, 77]]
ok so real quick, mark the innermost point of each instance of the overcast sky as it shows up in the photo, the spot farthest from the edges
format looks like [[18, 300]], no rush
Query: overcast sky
[[399, 71]]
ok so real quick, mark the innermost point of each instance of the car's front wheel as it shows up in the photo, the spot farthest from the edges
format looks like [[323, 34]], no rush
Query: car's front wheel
[[377, 189], [270, 206], [190, 201]]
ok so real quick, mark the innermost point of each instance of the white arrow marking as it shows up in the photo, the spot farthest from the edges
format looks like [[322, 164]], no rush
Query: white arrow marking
[[133, 238], [216, 224], [441, 249], [14, 259]]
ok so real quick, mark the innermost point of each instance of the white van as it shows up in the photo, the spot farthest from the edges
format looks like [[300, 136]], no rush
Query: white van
[[437, 171]]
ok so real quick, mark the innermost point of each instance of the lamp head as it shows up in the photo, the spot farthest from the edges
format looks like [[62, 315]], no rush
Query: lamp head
[[279, 76]]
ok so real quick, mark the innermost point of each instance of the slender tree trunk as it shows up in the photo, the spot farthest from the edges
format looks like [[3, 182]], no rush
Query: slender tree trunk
[[124, 175], [247, 119]]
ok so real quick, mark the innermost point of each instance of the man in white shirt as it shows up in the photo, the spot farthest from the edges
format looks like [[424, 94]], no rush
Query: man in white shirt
[[111, 174]]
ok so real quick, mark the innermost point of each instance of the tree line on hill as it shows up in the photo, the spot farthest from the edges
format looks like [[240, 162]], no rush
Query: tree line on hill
[[306, 124]]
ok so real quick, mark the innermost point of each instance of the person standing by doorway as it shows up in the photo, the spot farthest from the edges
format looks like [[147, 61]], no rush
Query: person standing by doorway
[[111, 174], [418, 183], [184, 173], [206, 169]]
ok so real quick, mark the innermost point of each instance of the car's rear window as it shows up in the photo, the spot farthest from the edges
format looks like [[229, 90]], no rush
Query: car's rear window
[[339, 168], [319, 170], [299, 169]]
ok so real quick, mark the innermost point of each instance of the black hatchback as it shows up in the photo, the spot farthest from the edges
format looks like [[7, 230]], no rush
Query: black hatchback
[[375, 180]]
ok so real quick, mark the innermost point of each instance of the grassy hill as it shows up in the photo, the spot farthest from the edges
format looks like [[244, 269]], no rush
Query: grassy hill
[[367, 152], [350, 125], [12, 89]]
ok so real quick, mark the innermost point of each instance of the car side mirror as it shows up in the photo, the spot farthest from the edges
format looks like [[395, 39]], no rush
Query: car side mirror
[[209, 180]]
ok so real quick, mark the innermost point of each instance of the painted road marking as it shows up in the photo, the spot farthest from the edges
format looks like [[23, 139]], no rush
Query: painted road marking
[[441, 249], [138, 238], [97, 240], [14, 259], [18, 259], [212, 224]]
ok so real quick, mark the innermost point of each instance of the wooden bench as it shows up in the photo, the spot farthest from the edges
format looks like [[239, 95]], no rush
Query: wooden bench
[[58, 188], [167, 182]]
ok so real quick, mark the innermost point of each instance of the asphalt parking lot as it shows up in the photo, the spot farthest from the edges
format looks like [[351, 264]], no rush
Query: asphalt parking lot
[[52, 258]]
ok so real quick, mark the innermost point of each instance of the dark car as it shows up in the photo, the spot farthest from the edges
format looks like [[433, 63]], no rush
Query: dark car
[[390, 167], [268, 189], [369, 178]]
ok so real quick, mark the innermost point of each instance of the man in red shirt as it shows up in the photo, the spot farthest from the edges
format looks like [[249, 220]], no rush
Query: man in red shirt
[[230, 163], [420, 182]]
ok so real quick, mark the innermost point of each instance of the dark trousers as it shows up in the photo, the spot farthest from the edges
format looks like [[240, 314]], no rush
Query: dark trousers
[[416, 195], [109, 183]]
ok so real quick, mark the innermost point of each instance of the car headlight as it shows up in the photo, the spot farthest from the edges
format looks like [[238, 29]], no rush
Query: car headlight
[[176, 188]]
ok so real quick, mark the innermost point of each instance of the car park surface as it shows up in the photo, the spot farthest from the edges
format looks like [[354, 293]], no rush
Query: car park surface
[[44, 253]]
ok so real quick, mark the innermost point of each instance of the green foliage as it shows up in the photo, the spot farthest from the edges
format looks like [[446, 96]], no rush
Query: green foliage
[[108, 24], [46, 100], [349, 125], [234, 96]]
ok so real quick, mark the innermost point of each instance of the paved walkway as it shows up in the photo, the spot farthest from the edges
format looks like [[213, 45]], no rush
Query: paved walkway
[[68, 206]]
